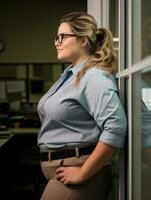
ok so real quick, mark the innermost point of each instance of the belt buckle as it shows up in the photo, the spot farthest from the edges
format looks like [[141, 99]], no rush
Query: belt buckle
[[77, 152], [49, 155]]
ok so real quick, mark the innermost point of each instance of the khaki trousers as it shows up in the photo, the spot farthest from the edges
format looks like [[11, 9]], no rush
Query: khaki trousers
[[95, 188]]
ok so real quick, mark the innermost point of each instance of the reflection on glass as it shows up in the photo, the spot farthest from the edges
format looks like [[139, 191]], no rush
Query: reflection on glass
[[141, 27], [146, 38], [146, 135], [113, 23]]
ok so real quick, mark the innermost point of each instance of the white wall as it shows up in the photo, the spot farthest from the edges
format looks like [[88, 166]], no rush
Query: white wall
[[100, 11]]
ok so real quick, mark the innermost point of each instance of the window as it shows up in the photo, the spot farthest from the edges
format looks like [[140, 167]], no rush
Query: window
[[141, 29]]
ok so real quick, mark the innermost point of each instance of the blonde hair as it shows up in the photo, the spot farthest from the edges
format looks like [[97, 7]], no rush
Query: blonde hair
[[100, 42]]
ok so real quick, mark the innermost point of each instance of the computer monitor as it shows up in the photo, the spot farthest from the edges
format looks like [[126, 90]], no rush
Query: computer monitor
[[37, 86]]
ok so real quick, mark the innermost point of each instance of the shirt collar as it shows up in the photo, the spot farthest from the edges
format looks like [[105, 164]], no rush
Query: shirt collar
[[77, 67]]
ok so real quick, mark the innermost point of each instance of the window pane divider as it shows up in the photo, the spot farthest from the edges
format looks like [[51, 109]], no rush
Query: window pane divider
[[142, 65]]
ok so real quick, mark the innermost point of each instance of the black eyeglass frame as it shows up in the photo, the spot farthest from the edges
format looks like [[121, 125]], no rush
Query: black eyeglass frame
[[59, 38]]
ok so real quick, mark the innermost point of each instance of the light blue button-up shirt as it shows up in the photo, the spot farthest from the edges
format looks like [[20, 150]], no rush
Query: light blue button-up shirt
[[87, 113]]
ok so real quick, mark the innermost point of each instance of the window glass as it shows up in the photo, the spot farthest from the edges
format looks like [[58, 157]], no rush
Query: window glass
[[141, 29], [142, 129], [146, 134], [113, 23]]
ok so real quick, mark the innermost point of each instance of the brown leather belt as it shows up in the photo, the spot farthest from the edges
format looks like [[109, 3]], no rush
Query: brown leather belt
[[65, 153]]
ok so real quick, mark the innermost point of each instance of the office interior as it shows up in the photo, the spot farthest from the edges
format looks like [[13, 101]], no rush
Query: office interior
[[29, 67]]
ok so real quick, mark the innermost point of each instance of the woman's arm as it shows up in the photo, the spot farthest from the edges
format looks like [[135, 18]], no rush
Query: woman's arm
[[99, 157]]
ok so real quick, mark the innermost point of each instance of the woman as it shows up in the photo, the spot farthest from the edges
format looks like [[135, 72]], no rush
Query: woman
[[83, 122]]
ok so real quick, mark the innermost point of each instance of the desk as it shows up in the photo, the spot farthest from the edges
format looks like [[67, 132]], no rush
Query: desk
[[19, 151], [3, 141], [7, 135], [24, 130]]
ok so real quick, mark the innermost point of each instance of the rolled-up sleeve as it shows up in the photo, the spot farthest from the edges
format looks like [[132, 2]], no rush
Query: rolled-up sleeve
[[104, 105]]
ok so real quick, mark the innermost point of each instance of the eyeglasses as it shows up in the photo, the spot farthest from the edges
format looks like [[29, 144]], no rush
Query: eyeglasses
[[59, 38]]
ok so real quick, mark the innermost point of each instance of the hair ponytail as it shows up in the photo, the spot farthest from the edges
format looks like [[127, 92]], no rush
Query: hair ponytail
[[102, 54]]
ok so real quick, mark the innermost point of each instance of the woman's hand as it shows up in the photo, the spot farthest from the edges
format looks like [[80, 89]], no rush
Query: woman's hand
[[102, 154], [69, 175]]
